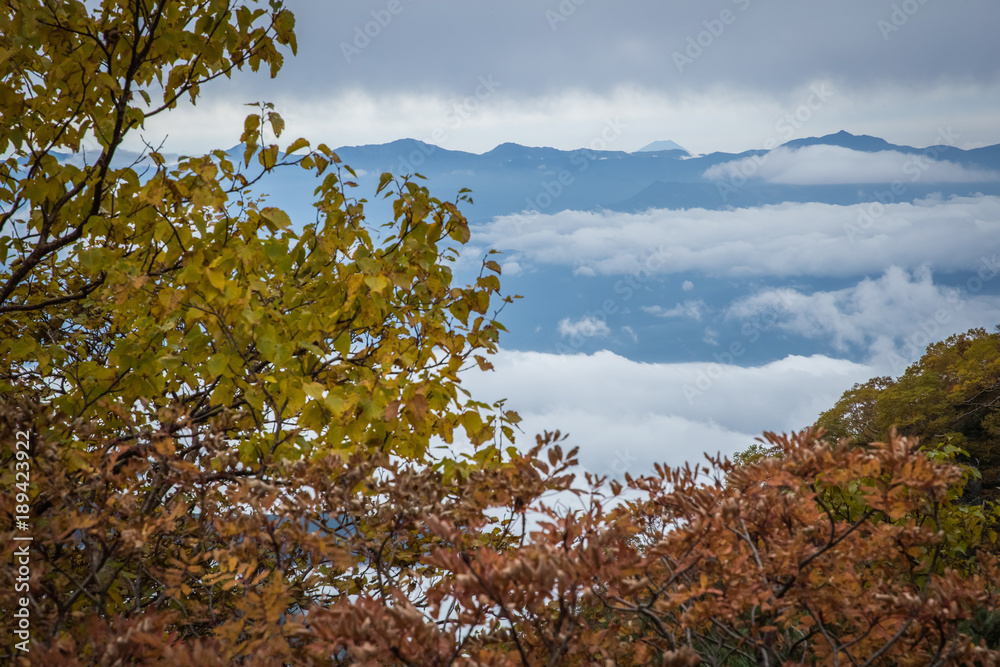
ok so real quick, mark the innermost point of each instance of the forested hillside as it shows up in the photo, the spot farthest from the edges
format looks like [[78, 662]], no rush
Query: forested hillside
[[951, 396]]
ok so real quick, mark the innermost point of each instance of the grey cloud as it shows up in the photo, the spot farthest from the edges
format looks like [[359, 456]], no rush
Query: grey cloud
[[766, 46], [373, 71]]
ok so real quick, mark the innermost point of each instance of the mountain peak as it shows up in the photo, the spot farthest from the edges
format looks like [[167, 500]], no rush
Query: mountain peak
[[666, 145], [844, 139], [508, 147]]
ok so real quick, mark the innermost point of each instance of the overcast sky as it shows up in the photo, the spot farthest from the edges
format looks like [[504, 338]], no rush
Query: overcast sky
[[709, 74]]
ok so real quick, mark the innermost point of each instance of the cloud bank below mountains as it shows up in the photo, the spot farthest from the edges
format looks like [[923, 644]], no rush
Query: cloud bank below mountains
[[836, 165], [626, 415], [892, 318], [791, 239]]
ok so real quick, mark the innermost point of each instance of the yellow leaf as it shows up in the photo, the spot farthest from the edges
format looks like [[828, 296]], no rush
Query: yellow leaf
[[268, 157], [278, 218], [378, 284], [277, 123], [216, 278], [296, 145], [314, 390]]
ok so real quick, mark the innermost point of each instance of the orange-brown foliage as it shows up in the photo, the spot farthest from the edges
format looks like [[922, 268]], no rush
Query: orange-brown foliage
[[828, 553]]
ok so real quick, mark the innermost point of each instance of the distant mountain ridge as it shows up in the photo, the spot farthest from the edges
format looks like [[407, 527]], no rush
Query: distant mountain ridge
[[512, 178]]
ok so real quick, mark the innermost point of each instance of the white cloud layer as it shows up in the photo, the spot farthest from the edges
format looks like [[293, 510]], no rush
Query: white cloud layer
[[835, 165], [626, 415], [586, 326], [790, 239], [690, 309], [893, 317]]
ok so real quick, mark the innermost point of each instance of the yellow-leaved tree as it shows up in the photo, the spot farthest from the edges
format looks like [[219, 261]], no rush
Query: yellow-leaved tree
[[145, 297], [157, 321]]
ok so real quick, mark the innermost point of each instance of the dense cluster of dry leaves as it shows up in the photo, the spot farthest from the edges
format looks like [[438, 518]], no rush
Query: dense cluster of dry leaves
[[828, 554]]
